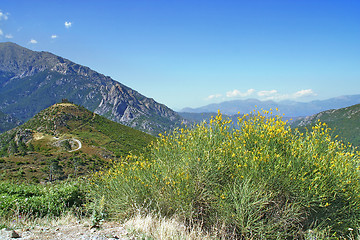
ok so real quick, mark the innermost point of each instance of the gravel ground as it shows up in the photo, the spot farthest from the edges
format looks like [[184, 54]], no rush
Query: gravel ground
[[78, 231]]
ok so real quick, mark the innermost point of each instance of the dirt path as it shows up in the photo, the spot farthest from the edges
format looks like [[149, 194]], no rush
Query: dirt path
[[78, 231], [73, 139], [79, 143]]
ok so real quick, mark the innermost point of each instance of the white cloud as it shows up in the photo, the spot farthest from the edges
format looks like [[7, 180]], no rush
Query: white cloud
[[1, 32], [3, 16], [68, 24], [214, 96], [237, 93], [304, 93], [9, 36], [33, 41], [276, 96], [267, 93], [54, 36]]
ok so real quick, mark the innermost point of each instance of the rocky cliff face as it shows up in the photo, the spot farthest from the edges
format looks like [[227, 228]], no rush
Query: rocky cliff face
[[31, 81]]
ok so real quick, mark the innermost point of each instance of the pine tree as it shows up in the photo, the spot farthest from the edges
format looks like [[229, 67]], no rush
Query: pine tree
[[55, 169], [22, 148], [30, 147], [13, 148]]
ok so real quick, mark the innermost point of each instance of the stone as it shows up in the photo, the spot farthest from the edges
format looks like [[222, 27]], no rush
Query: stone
[[14, 234]]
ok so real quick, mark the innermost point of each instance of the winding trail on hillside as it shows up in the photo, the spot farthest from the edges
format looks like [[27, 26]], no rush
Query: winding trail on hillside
[[79, 143], [73, 139]]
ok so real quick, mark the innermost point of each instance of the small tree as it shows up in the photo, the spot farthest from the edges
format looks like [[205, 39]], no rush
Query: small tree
[[55, 169], [75, 162], [30, 147], [13, 148], [22, 148], [65, 100]]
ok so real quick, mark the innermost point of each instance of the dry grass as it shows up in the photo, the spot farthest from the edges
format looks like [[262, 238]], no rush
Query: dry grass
[[153, 227], [28, 222]]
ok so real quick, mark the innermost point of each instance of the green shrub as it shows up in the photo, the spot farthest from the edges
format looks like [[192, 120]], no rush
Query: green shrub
[[40, 200], [262, 180]]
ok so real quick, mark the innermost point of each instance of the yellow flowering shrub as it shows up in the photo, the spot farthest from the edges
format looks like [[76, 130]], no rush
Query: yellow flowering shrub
[[258, 177]]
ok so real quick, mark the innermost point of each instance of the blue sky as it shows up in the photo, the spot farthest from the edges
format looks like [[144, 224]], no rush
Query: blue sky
[[192, 53]]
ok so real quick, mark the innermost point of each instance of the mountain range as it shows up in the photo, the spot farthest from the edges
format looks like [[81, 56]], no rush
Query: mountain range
[[31, 81], [289, 108], [65, 140]]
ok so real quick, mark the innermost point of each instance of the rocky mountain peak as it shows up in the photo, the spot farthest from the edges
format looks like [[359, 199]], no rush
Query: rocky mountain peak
[[31, 81]]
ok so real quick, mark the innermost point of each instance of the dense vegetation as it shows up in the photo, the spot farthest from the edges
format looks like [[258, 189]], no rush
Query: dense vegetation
[[22, 200], [262, 181]]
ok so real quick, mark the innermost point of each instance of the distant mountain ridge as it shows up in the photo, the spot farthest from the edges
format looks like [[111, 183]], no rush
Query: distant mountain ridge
[[31, 81], [345, 122], [289, 108]]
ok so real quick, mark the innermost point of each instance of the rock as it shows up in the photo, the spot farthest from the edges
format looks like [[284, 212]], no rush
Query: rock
[[8, 233], [14, 234]]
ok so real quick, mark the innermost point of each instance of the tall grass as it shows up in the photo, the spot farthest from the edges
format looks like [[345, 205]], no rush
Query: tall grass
[[261, 180]]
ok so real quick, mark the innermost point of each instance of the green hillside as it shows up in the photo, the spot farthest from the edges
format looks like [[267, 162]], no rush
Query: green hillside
[[65, 140], [345, 123]]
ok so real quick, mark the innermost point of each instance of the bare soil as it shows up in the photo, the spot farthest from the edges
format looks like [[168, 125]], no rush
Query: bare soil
[[108, 230]]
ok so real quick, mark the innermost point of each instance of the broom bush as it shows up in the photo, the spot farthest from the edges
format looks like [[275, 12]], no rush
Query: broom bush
[[256, 179]]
